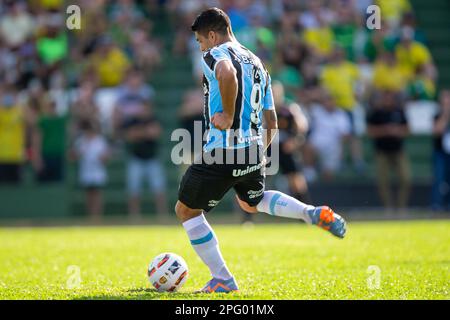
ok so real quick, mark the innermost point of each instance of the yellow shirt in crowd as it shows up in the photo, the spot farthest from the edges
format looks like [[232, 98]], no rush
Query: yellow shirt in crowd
[[339, 81], [112, 68], [320, 39], [12, 134], [386, 77], [48, 4], [393, 9], [410, 58]]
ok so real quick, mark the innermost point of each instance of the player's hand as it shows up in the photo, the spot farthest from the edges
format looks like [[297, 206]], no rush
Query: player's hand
[[222, 121]]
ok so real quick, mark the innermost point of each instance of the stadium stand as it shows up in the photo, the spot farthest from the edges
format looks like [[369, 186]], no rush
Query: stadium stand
[[174, 75]]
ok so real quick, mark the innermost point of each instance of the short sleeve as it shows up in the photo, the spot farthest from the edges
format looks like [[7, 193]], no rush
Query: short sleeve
[[214, 56], [268, 103]]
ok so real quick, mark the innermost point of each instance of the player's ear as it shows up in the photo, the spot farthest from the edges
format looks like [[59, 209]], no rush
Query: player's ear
[[212, 36]]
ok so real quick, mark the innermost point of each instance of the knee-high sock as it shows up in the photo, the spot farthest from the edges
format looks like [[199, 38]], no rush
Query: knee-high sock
[[279, 204], [205, 243]]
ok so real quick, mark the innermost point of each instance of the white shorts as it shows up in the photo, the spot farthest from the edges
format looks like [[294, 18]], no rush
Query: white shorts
[[139, 170], [330, 155]]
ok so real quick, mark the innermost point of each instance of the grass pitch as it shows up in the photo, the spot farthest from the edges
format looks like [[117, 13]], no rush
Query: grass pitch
[[279, 261]]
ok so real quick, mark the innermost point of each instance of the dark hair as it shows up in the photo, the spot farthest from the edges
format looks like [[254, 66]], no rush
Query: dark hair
[[212, 19]]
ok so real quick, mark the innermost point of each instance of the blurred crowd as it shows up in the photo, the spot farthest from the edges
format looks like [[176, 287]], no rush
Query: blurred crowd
[[80, 95], [86, 93]]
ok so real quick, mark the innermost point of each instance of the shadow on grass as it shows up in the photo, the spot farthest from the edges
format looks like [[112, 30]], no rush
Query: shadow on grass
[[152, 294]]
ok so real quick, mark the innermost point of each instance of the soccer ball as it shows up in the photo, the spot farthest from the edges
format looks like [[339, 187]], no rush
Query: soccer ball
[[167, 272]]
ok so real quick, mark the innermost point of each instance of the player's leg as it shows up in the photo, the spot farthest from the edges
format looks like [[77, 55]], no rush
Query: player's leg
[[252, 198], [199, 190]]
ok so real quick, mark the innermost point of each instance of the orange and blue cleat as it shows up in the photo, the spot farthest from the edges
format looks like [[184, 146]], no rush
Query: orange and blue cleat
[[327, 219], [219, 286]]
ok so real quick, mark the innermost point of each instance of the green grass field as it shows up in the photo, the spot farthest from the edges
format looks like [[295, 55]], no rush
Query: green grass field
[[278, 261]]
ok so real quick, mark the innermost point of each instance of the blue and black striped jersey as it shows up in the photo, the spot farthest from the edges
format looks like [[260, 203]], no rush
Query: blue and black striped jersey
[[254, 95]]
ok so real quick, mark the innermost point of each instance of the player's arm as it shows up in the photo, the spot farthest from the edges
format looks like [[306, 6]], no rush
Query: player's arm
[[271, 126], [269, 115], [228, 86]]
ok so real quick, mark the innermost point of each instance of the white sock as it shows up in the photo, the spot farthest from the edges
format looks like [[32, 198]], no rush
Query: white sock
[[205, 243], [279, 204]]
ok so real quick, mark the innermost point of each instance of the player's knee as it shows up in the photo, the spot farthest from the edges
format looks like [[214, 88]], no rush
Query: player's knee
[[183, 212], [179, 211], [246, 207]]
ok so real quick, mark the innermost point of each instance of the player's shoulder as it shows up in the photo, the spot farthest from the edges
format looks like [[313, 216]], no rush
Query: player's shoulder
[[215, 54], [217, 50]]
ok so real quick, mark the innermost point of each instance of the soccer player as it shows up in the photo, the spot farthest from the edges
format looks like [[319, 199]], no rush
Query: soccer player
[[238, 93]]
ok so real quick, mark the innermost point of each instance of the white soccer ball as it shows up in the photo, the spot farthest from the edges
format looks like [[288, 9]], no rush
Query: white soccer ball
[[167, 272]]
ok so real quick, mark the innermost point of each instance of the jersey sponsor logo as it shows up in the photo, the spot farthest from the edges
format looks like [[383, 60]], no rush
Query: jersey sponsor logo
[[255, 194], [213, 203], [240, 173], [249, 139]]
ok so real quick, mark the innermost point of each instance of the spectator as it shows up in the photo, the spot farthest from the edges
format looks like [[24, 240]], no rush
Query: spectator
[[132, 95], [311, 90], [340, 78], [141, 132], [191, 114], [145, 52], [16, 25], [316, 15], [126, 11], [378, 41], [256, 37], [49, 144], [51, 47], [92, 152], [409, 20], [393, 10], [330, 127], [388, 75], [412, 55], [441, 155], [319, 40], [109, 63], [388, 127], [239, 14], [12, 135], [292, 126], [84, 108], [345, 28], [422, 86]]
